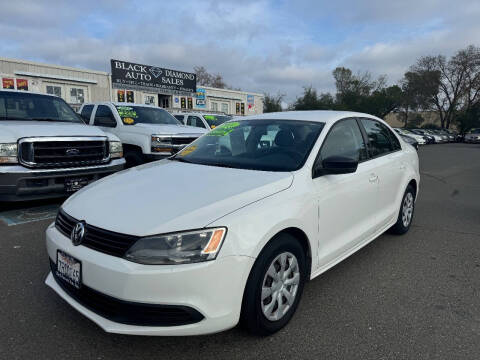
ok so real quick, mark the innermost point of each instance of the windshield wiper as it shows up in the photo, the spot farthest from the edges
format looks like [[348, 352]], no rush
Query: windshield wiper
[[174, 158]]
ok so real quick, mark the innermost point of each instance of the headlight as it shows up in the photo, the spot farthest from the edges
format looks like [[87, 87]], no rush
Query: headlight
[[8, 153], [116, 149], [178, 248], [162, 144]]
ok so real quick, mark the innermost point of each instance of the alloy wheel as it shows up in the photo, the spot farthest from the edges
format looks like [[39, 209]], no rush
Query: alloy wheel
[[407, 209]]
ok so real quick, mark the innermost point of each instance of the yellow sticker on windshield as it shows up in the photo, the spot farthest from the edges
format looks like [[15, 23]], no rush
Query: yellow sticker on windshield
[[224, 129], [213, 126], [128, 121], [187, 150]]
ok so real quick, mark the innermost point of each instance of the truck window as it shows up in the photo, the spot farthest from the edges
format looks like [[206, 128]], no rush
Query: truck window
[[86, 113], [104, 117]]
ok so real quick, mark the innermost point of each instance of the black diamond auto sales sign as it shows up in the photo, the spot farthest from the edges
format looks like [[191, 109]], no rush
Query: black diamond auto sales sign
[[127, 75]]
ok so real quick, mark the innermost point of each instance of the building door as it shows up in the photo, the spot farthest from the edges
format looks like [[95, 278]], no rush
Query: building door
[[164, 101]]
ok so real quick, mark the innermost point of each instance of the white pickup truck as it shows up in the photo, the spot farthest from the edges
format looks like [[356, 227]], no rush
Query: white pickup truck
[[147, 132], [47, 151]]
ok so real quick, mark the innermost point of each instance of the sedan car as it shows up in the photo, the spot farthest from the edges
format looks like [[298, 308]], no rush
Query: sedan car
[[473, 136], [420, 139], [410, 140], [153, 251]]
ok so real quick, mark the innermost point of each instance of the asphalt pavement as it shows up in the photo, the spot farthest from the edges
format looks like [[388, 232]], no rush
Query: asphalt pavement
[[415, 296]]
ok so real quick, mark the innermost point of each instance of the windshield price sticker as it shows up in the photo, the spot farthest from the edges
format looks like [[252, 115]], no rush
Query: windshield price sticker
[[126, 112], [188, 150], [224, 129]]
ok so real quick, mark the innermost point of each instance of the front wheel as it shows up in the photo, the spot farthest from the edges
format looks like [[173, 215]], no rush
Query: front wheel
[[274, 287], [405, 215]]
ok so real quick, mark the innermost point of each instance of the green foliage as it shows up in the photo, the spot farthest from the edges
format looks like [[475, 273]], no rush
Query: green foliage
[[311, 101], [272, 103], [430, 126], [468, 119]]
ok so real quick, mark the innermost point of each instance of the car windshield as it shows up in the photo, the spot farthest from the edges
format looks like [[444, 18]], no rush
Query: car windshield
[[132, 115], [267, 145], [216, 120], [35, 107], [475, 131]]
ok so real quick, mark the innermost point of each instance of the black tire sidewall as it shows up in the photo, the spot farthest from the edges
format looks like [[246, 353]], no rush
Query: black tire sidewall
[[399, 228], [252, 316]]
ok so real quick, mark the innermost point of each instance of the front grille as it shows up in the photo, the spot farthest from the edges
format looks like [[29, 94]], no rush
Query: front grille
[[183, 140], [63, 152], [104, 241], [126, 312]]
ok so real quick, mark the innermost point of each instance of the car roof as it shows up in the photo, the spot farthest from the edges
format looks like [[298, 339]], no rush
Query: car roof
[[325, 116]]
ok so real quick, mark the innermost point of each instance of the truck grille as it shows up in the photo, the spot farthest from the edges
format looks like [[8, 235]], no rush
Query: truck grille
[[105, 241], [63, 152], [183, 140]]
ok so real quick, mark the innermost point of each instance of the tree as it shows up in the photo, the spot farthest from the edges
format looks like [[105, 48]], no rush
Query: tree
[[458, 81], [311, 101], [272, 103], [204, 78]]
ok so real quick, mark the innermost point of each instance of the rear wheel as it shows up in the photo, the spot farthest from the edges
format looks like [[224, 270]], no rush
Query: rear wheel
[[405, 214], [274, 287]]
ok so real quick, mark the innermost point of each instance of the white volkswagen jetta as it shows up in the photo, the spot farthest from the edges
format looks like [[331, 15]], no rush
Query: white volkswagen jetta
[[229, 229]]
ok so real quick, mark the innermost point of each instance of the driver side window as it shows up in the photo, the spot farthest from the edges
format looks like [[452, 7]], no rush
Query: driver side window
[[344, 139]]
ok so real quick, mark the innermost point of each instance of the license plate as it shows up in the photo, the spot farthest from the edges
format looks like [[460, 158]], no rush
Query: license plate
[[69, 269], [75, 184]]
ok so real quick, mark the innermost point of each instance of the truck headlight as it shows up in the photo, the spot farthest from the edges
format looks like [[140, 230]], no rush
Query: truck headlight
[[178, 248], [116, 149], [8, 153]]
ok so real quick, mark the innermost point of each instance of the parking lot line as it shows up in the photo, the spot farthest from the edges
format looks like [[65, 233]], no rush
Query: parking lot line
[[24, 216]]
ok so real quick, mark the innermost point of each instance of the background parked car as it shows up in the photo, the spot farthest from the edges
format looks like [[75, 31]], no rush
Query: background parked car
[[420, 139], [429, 138], [47, 151], [204, 121], [473, 136], [147, 132]]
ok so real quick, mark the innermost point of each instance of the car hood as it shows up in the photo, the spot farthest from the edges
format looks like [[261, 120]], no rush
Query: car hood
[[169, 196], [156, 129], [11, 131]]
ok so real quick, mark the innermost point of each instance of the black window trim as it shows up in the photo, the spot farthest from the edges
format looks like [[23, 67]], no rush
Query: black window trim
[[364, 132]]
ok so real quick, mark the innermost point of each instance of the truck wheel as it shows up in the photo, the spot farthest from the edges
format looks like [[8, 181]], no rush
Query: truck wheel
[[274, 286], [133, 158]]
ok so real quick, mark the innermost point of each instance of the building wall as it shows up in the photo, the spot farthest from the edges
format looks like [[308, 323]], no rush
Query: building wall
[[96, 86], [397, 119]]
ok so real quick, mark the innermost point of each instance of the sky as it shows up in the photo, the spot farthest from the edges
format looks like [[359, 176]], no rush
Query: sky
[[277, 47]]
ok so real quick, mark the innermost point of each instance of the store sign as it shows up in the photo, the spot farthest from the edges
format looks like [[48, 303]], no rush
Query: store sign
[[8, 83], [152, 78], [251, 103], [200, 102]]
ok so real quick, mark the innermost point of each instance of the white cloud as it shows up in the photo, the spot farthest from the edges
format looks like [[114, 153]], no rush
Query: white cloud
[[271, 46]]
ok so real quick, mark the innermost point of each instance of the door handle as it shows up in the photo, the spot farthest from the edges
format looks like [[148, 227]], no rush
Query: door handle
[[373, 178]]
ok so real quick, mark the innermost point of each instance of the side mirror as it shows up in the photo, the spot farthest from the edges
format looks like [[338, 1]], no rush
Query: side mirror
[[335, 165]]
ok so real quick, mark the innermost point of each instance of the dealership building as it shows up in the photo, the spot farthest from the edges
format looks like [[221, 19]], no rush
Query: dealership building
[[128, 82]]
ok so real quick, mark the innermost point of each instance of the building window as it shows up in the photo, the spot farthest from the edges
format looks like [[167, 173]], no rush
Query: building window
[[214, 106], [54, 90], [225, 108], [149, 100], [77, 96]]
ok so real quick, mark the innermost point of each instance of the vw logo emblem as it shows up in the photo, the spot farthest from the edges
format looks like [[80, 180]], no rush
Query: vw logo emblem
[[78, 233]]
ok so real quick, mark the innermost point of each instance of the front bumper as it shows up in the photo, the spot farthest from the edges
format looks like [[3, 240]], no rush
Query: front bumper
[[19, 183], [213, 289], [472, 140]]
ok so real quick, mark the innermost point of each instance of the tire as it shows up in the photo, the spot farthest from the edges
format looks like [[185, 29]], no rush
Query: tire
[[253, 316], [405, 214], [133, 158]]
